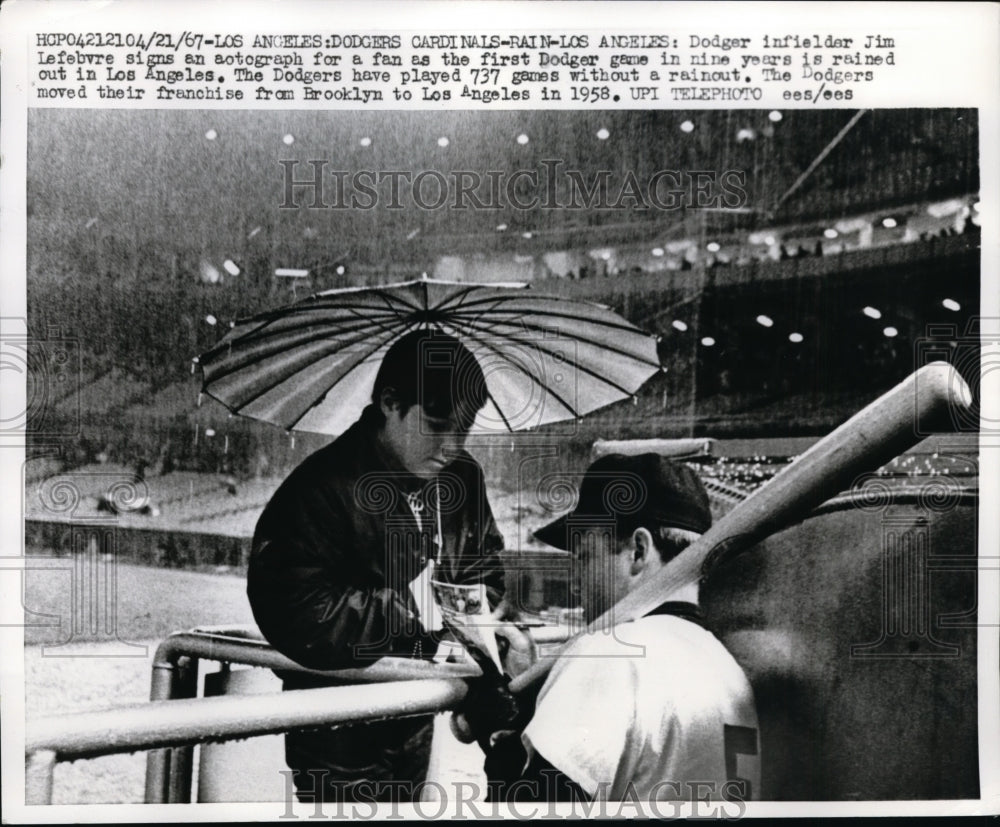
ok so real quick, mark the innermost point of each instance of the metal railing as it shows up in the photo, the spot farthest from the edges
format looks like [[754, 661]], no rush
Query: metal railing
[[183, 723], [175, 720]]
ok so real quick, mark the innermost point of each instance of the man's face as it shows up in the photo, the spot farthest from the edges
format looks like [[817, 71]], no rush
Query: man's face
[[602, 576], [422, 444]]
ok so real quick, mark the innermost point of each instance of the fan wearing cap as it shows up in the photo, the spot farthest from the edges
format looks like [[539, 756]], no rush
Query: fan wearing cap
[[653, 709]]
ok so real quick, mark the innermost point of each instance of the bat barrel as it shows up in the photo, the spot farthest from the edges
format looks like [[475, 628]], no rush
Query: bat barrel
[[926, 401], [931, 399]]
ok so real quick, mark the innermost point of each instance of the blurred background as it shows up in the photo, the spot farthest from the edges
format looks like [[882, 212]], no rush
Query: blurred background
[[808, 284]]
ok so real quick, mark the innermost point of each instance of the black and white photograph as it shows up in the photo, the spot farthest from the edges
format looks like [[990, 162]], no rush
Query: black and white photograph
[[482, 462]]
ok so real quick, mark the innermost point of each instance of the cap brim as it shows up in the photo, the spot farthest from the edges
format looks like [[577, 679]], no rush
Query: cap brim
[[554, 534]]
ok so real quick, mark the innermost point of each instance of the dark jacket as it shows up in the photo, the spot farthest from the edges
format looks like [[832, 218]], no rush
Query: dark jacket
[[337, 546]]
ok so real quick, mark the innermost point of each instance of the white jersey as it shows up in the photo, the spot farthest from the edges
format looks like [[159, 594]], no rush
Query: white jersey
[[655, 709]]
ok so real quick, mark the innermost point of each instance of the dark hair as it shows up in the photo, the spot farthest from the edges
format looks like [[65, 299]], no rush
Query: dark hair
[[437, 372], [670, 541]]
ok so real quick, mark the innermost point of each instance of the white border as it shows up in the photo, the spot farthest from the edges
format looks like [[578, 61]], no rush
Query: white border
[[953, 62]]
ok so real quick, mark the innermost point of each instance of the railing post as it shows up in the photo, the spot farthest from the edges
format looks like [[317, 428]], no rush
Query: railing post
[[158, 760], [181, 766], [38, 771], [168, 771]]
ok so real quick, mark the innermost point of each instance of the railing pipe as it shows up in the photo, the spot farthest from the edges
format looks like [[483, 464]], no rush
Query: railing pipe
[[212, 646], [176, 723]]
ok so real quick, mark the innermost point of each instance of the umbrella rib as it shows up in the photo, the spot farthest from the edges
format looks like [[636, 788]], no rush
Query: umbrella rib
[[305, 306], [557, 396], [606, 323], [522, 316], [392, 333], [347, 372], [312, 305], [499, 410], [457, 297], [318, 336], [260, 332], [585, 369], [370, 321], [585, 340]]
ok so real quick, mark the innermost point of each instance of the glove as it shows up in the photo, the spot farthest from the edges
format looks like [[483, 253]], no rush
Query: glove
[[504, 763], [490, 707]]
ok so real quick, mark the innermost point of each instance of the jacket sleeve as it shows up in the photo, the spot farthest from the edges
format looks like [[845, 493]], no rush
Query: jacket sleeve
[[300, 590], [483, 553], [491, 546]]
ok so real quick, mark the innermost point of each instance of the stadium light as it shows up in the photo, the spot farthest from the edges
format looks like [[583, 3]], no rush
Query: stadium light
[[708, 341], [765, 321], [872, 313], [795, 337], [603, 134], [891, 332], [951, 304], [679, 325]]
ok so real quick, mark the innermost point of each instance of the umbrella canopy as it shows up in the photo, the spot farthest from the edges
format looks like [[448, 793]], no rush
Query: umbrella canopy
[[310, 366]]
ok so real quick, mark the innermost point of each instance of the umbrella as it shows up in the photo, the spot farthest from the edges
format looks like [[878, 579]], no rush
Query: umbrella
[[310, 366]]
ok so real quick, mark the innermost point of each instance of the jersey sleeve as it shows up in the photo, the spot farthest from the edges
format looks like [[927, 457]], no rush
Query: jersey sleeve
[[584, 720]]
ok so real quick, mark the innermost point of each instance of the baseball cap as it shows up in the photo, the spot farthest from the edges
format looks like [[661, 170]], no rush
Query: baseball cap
[[632, 491]]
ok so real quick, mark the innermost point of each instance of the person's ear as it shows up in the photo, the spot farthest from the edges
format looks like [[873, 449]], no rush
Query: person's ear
[[388, 401], [642, 548]]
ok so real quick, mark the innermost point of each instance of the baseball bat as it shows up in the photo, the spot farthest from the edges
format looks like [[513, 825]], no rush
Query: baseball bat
[[882, 430]]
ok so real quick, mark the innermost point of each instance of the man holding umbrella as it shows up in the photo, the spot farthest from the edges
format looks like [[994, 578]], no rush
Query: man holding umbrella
[[341, 559], [344, 551]]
